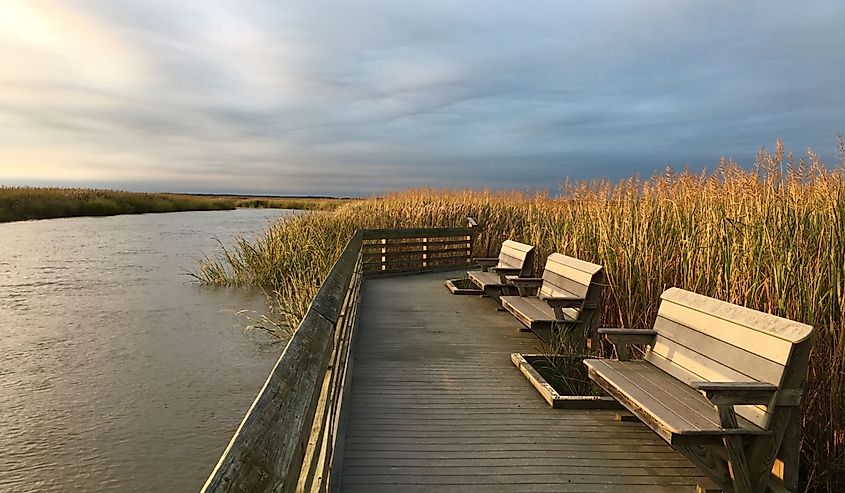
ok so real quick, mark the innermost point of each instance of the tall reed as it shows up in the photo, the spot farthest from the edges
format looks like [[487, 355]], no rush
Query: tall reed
[[771, 238]]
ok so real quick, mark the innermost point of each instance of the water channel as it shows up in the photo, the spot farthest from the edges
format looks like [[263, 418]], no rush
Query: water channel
[[117, 371]]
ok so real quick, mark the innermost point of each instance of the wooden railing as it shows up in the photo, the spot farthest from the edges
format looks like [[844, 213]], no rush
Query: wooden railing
[[390, 251], [291, 438]]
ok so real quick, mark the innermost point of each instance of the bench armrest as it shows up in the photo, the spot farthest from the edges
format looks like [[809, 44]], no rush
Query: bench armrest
[[486, 262], [562, 301], [620, 338], [527, 286], [558, 303], [628, 336], [527, 281], [726, 395], [736, 393]]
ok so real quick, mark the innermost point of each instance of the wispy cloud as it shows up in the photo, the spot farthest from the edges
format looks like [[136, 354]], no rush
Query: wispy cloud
[[357, 97]]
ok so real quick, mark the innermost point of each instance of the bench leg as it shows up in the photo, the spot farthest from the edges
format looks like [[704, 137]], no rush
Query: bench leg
[[738, 465], [707, 487], [789, 452], [743, 476], [708, 461], [786, 430]]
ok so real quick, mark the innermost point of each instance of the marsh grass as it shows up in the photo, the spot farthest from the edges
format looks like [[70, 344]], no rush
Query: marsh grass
[[567, 375], [562, 364], [293, 203], [22, 203], [771, 238]]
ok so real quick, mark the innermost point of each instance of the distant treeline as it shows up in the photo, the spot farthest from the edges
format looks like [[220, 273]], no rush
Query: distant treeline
[[22, 203]]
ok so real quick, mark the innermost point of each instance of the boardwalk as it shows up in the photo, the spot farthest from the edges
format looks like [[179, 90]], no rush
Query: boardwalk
[[436, 405]]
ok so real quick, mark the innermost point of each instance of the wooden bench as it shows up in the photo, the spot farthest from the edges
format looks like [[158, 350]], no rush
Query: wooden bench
[[514, 259], [568, 297], [719, 382]]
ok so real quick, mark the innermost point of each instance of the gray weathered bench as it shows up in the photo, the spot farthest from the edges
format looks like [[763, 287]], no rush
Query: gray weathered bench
[[568, 297], [514, 259], [719, 382]]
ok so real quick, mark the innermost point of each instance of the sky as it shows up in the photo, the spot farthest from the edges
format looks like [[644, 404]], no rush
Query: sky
[[354, 98]]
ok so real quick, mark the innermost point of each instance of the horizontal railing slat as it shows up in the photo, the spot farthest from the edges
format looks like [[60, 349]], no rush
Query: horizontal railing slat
[[403, 244], [374, 234], [435, 260], [415, 253]]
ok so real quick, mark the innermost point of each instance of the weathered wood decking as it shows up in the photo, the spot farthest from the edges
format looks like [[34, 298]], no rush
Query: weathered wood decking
[[437, 405]]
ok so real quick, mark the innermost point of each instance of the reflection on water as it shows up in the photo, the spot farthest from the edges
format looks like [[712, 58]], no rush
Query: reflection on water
[[116, 371]]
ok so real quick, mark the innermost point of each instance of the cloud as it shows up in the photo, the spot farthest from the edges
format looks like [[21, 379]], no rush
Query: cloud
[[349, 98]]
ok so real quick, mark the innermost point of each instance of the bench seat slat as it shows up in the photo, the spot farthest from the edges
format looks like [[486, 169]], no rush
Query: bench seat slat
[[485, 279], [630, 378], [671, 408], [690, 396], [534, 309]]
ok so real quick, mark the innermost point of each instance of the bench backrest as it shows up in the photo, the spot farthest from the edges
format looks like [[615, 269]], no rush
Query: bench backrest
[[517, 255], [704, 339], [569, 276]]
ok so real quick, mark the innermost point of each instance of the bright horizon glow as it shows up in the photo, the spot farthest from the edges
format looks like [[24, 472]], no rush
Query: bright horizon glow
[[298, 98]]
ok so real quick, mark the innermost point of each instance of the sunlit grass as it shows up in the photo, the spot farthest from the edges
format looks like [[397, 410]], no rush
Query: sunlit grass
[[771, 238]]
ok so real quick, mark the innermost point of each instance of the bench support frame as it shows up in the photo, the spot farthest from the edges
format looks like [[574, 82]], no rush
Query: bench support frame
[[737, 463]]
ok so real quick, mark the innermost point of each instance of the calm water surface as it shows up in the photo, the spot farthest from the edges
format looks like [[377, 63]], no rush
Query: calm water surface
[[117, 373]]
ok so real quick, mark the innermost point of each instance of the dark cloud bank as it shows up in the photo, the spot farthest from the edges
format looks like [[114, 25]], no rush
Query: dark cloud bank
[[358, 97]]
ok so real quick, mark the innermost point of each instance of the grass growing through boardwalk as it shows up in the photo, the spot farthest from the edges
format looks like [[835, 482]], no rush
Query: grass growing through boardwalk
[[772, 238], [21, 203], [566, 374]]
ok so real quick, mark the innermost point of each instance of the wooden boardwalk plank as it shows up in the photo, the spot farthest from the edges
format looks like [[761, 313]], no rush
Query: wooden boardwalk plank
[[436, 404], [510, 487]]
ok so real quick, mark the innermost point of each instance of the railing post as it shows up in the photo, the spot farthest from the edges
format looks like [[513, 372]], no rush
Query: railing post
[[472, 224], [425, 254], [384, 254]]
